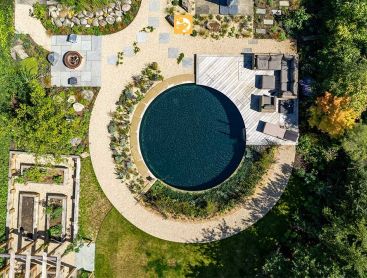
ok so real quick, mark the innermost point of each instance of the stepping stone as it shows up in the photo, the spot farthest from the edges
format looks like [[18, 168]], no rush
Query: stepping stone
[[260, 11], [268, 21], [284, 3], [247, 50], [153, 21], [233, 10], [260, 31], [252, 41], [129, 51], [141, 37], [276, 12], [187, 62], [164, 38], [172, 53], [154, 6], [112, 60]]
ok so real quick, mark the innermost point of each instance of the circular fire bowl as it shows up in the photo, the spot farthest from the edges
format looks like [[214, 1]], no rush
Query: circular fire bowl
[[72, 59]]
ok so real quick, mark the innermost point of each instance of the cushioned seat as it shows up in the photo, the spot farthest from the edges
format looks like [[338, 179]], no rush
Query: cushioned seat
[[275, 62], [267, 82]]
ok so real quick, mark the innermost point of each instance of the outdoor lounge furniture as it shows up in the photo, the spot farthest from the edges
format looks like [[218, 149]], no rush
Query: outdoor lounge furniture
[[53, 58], [267, 62], [170, 19], [281, 133], [289, 77], [267, 104], [72, 38], [72, 81], [267, 82]]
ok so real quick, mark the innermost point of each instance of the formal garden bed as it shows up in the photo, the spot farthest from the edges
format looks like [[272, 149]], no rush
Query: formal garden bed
[[39, 174], [270, 17], [218, 200], [119, 126], [54, 212], [94, 18]]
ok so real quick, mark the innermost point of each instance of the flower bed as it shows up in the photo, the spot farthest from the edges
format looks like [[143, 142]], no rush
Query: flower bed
[[54, 212], [219, 26], [62, 19], [179, 204], [265, 10], [119, 126], [39, 174]]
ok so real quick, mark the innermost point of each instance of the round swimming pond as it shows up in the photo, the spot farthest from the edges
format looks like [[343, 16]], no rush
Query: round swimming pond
[[192, 137]]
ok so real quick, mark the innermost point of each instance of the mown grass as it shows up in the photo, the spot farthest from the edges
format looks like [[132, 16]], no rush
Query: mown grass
[[125, 251], [93, 204]]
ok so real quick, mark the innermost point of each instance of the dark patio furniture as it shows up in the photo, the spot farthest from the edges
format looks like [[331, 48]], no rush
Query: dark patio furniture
[[170, 19], [279, 132], [72, 81], [53, 58], [72, 38], [267, 104]]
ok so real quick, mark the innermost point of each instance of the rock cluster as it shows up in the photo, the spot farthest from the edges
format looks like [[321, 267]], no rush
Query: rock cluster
[[63, 16]]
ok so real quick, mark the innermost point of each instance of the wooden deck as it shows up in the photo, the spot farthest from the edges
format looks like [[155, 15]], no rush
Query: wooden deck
[[233, 77]]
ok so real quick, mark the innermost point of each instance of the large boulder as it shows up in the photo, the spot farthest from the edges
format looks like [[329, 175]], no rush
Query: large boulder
[[110, 19], [95, 22], [83, 22], [78, 107], [58, 22], [76, 20], [87, 95], [102, 23]]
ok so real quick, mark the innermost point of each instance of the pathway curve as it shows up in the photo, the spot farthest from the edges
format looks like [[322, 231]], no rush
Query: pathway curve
[[114, 78]]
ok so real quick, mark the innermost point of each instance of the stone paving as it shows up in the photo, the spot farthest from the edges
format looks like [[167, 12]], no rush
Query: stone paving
[[89, 72]]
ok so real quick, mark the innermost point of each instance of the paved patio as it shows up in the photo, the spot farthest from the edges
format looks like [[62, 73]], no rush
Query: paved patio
[[89, 72], [231, 76]]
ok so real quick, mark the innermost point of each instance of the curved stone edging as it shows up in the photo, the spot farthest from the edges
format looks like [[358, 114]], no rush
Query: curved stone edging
[[139, 113]]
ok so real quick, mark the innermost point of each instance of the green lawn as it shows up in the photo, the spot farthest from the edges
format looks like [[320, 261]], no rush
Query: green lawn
[[93, 204], [4, 162], [125, 251]]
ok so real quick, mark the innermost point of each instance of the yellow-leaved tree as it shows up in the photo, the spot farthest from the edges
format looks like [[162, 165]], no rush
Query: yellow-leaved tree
[[332, 114]]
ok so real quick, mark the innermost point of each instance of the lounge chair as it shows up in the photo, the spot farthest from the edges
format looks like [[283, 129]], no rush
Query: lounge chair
[[72, 81], [281, 133], [267, 104], [72, 38], [267, 82]]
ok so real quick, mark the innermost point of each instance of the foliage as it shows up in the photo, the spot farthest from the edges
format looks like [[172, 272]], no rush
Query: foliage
[[41, 13], [42, 126], [30, 65], [295, 20], [216, 200], [180, 58], [332, 114], [120, 124], [355, 143], [55, 212], [41, 175], [91, 201], [55, 231]]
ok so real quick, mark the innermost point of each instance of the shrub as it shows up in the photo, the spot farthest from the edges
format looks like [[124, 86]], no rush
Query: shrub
[[180, 58]]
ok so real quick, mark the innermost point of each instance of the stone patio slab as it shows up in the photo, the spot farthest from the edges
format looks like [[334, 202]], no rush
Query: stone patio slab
[[172, 53], [154, 6], [164, 38], [129, 51], [153, 21], [141, 37], [187, 62]]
